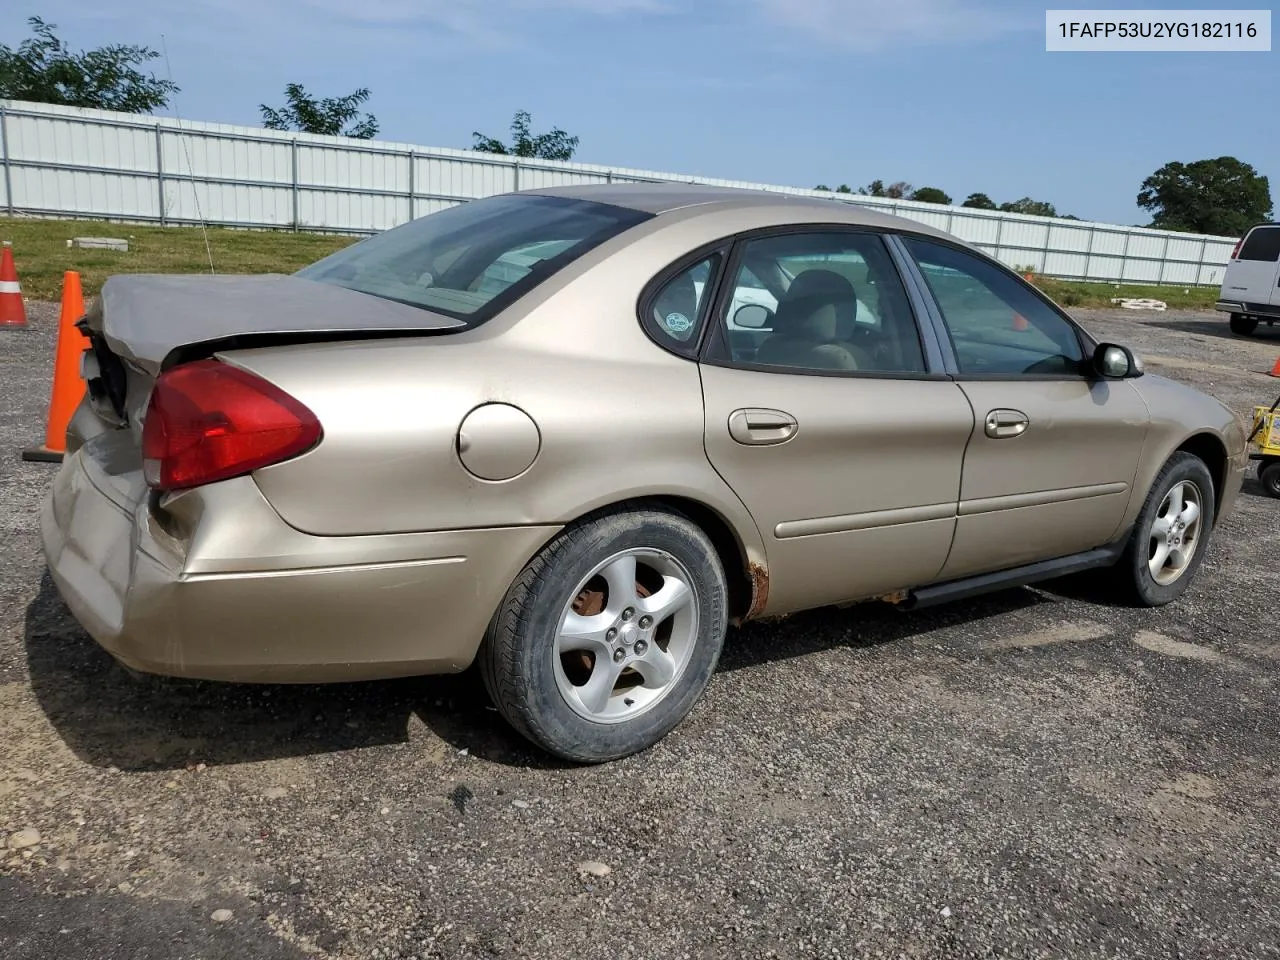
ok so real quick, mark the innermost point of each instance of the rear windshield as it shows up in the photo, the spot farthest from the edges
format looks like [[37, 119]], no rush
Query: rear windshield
[[1263, 244], [472, 260]]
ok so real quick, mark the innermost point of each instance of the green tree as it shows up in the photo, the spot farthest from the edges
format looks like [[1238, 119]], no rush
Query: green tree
[[1036, 208], [553, 145], [894, 191], [1222, 197], [306, 114], [843, 188], [44, 70], [931, 195], [979, 201]]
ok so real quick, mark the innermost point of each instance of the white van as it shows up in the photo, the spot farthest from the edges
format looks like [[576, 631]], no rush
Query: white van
[[1251, 286]]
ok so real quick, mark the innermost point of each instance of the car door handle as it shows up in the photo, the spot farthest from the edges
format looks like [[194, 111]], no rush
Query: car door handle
[[1005, 424], [756, 425]]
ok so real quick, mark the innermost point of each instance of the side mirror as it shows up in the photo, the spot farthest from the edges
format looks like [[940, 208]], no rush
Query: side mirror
[[1114, 362], [752, 315]]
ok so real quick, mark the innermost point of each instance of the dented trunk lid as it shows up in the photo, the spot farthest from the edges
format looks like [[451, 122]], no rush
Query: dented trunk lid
[[142, 324], [150, 321]]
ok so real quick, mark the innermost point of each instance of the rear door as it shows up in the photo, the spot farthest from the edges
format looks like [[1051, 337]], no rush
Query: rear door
[[1050, 468], [843, 438], [1253, 275]]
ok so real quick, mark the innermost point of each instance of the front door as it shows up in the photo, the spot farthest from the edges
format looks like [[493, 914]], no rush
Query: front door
[[831, 428], [1050, 468]]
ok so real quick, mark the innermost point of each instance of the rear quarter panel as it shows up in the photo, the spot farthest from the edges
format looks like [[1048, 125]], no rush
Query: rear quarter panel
[[609, 429]]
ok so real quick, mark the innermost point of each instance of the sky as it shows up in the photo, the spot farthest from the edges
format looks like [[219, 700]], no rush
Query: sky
[[957, 94]]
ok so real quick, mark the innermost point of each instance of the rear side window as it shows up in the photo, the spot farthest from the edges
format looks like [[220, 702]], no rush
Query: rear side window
[[472, 260], [1262, 244], [839, 307], [675, 313]]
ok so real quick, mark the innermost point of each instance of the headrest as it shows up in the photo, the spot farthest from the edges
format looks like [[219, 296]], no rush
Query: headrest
[[817, 306]]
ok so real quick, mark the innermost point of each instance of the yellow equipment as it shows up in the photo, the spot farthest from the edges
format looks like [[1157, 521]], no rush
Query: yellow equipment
[[1264, 443]]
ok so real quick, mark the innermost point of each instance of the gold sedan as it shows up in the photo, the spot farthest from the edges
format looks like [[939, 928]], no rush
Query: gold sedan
[[573, 435]]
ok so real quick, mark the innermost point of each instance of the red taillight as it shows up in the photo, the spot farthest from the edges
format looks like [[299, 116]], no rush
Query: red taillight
[[211, 421], [1235, 251]]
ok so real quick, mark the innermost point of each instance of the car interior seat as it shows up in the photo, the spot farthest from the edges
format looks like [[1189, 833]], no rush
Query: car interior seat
[[810, 329]]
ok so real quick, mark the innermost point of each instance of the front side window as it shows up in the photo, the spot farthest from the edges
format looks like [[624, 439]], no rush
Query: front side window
[[996, 325], [471, 260], [820, 301]]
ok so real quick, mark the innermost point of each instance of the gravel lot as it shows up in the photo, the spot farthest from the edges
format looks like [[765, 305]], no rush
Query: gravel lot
[[1033, 774]]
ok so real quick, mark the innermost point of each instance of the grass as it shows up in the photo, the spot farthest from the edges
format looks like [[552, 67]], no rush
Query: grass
[[41, 254], [1077, 293]]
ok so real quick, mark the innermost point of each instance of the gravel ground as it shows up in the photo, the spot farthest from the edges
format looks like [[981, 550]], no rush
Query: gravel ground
[[1032, 774]]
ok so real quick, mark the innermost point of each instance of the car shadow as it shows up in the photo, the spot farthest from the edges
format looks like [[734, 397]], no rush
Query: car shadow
[[1216, 328], [857, 626], [110, 717]]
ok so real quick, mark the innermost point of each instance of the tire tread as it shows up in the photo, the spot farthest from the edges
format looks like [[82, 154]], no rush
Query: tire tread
[[499, 658], [1135, 583], [1269, 477]]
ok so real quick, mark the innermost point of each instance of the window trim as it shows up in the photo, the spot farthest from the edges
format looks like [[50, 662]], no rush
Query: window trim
[[1086, 343], [715, 350], [938, 341], [654, 286]]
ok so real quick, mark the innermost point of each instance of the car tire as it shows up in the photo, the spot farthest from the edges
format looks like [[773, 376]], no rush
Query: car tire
[[1269, 477], [580, 614], [1242, 325], [1152, 572]]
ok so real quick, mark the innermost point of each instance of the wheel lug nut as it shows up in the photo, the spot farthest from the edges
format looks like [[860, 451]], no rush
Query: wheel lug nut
[[619, 655], [628, 613], [641, 647], [646, 623], [611, 633]]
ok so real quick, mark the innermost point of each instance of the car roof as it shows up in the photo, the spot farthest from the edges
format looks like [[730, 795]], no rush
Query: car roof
[[660, 198]]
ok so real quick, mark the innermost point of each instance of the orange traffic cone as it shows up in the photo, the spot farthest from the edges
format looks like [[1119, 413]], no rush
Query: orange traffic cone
[[1275, 371], [13, 312], [68, 387]]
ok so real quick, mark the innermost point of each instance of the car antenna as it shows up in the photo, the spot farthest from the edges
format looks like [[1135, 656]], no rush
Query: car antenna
[[204, 227]]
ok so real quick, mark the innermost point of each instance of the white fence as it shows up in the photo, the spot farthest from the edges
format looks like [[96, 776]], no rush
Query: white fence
[[95, 164]]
